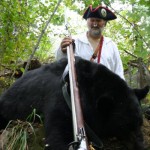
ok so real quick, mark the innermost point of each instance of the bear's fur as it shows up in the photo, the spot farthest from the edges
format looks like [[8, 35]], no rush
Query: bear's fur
[[110, 107]]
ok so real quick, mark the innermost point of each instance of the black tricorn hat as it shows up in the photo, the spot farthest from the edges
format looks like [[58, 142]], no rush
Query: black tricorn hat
[[99, 12]]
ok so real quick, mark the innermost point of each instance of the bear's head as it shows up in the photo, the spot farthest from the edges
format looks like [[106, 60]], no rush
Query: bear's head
[[110, 102]]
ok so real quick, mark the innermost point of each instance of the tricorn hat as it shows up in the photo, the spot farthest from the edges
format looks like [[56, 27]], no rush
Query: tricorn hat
[[99, 12]]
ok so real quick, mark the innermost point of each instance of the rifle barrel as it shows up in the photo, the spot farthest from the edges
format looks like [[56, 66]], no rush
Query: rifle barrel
[[77, 115]]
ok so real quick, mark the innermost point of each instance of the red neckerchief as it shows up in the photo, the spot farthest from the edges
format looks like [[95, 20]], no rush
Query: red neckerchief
[[98, 51]]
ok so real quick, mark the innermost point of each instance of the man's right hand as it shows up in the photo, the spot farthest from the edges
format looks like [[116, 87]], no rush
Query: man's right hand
[[65, 42]]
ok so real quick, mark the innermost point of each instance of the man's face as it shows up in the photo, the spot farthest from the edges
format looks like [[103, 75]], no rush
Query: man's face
[[95, 26]]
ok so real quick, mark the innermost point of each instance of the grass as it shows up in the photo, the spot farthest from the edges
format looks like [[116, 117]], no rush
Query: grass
[[16, 134]]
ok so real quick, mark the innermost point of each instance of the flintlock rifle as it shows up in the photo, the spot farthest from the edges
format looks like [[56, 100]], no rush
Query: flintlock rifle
[[77, 115], [80, 139]]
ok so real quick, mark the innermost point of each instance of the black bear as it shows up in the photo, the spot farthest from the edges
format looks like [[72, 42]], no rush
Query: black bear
[[110, 107]]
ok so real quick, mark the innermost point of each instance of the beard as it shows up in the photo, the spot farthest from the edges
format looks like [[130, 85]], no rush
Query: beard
[[95, 32]]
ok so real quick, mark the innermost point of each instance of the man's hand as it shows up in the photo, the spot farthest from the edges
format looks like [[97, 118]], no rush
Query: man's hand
[[65, 42]]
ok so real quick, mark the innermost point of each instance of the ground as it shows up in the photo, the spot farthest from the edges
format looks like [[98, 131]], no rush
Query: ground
[[35, 138]]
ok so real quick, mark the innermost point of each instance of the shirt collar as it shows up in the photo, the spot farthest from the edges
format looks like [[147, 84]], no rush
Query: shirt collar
[[83, 38]]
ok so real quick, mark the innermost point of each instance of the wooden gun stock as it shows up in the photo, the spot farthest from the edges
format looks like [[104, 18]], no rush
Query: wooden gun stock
[[77, 115]]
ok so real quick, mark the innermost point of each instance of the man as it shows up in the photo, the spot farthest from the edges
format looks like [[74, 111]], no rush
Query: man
[[92, 45]]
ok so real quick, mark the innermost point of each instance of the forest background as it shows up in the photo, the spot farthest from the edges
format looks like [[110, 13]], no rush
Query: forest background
[[32, 29]]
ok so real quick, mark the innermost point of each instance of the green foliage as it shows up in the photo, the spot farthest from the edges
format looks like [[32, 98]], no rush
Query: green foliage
[[21, 23], [131, 31], [34, 116]]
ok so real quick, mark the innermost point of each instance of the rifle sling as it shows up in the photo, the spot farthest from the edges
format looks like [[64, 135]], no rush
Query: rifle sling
[[94, 139], [98, 51]]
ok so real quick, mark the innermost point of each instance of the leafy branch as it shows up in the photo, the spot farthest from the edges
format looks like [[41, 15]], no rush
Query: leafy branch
[[108, 4], [40, 37]]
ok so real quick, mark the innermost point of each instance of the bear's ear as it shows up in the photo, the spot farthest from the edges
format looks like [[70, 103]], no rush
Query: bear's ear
[[141, 93]]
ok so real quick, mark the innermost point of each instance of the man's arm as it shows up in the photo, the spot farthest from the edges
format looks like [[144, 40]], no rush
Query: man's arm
[[118, 68], [59, 54]]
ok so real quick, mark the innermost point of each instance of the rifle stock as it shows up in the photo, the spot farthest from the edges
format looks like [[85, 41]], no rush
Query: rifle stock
[[77, 115]]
